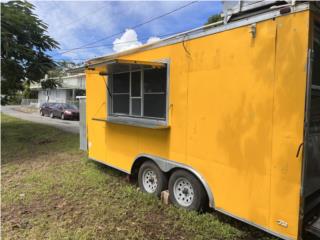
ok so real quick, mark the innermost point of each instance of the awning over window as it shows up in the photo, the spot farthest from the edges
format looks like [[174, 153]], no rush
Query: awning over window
[[121, 65]]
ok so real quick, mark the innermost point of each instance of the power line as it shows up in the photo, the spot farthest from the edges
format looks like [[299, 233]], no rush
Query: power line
[[136, 26], [73, 59], [132, 27], [109, 45], [112, 44], [164, 35], [106, 45]]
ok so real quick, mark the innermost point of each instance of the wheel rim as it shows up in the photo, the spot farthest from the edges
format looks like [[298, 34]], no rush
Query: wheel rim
[[149, 180], [183, 192]]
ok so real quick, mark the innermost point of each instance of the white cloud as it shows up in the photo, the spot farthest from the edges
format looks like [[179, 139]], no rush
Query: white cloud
[[152, 40], [77, 23], [128, 40]]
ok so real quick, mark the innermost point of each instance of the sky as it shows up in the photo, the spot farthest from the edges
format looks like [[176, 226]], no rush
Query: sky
[[105, 27]]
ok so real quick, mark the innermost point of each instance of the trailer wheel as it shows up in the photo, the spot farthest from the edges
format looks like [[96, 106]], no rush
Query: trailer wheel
[[186, 191], [151, 179]]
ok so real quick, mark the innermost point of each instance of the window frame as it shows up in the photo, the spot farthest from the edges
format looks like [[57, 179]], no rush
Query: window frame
[[136, 120]]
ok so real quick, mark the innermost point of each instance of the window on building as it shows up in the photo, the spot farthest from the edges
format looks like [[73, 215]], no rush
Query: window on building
[[139, 93]]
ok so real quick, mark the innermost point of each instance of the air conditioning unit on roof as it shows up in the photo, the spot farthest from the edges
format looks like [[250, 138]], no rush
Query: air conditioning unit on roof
[[243, 7]]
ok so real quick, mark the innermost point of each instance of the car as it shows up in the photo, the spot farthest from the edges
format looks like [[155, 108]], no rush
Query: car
[[65, 111], [46, 109]]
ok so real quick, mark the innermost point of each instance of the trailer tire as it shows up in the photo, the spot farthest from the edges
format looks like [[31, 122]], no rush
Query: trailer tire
[[186, 191], [151, 179]]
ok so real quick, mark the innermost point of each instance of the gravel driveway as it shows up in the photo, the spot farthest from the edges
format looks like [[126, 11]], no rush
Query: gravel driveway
[[65, 125]]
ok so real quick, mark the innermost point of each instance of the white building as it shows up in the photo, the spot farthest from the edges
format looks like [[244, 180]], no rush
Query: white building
[[71, 86]]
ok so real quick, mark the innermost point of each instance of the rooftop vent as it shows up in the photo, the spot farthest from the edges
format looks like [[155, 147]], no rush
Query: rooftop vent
[[245, 7]]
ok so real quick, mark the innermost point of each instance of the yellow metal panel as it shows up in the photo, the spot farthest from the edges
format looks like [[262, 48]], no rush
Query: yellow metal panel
[[288, 115], [122, 145], [230, 120], [96, 107], [236, 116]]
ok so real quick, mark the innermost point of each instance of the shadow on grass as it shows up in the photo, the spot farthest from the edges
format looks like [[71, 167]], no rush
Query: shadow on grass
[[251, 233], [105, 169], [22, 140]]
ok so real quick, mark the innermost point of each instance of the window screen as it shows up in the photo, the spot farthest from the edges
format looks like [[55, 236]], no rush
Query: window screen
[[120, 96], [121, 83], [155, 105], [136, 107], [140, 93], [136, 84], [121, 103], [155, 81], [155, 93]]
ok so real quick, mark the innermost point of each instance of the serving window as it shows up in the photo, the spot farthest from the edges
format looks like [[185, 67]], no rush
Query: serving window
[[139, 93]]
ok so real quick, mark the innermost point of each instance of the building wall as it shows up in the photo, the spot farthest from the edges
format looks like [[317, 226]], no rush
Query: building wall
[[67, 82], [236, 116], [53, 95]]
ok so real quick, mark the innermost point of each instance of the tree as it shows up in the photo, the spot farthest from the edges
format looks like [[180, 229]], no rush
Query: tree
[[24, 43], [61, 68], [54, 76], [214, 18]]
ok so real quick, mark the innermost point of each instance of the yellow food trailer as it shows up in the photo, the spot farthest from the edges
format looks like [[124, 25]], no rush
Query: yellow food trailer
[[225, 115]]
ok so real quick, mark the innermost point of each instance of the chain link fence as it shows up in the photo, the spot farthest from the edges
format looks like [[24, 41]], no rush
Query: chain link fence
[[30, 102], [37, 103]]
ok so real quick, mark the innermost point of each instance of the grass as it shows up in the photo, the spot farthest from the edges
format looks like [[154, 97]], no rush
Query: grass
[[50, 190]]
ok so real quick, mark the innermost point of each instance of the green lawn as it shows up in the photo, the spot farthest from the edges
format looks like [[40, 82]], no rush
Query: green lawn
[[51, 191]]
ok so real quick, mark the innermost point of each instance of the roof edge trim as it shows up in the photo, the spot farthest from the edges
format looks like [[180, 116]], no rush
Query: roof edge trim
[[201, 32]]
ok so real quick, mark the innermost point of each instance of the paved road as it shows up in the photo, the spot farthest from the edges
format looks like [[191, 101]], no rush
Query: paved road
[[65, 125]]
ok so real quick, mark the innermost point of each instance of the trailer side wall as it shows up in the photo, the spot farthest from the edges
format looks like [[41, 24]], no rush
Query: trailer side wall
[[236, 111]]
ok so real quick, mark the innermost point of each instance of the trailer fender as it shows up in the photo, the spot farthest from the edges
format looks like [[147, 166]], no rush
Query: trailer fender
[[167, 165]]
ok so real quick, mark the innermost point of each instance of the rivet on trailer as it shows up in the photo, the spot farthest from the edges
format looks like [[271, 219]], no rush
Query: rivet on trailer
[[226, 115]]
